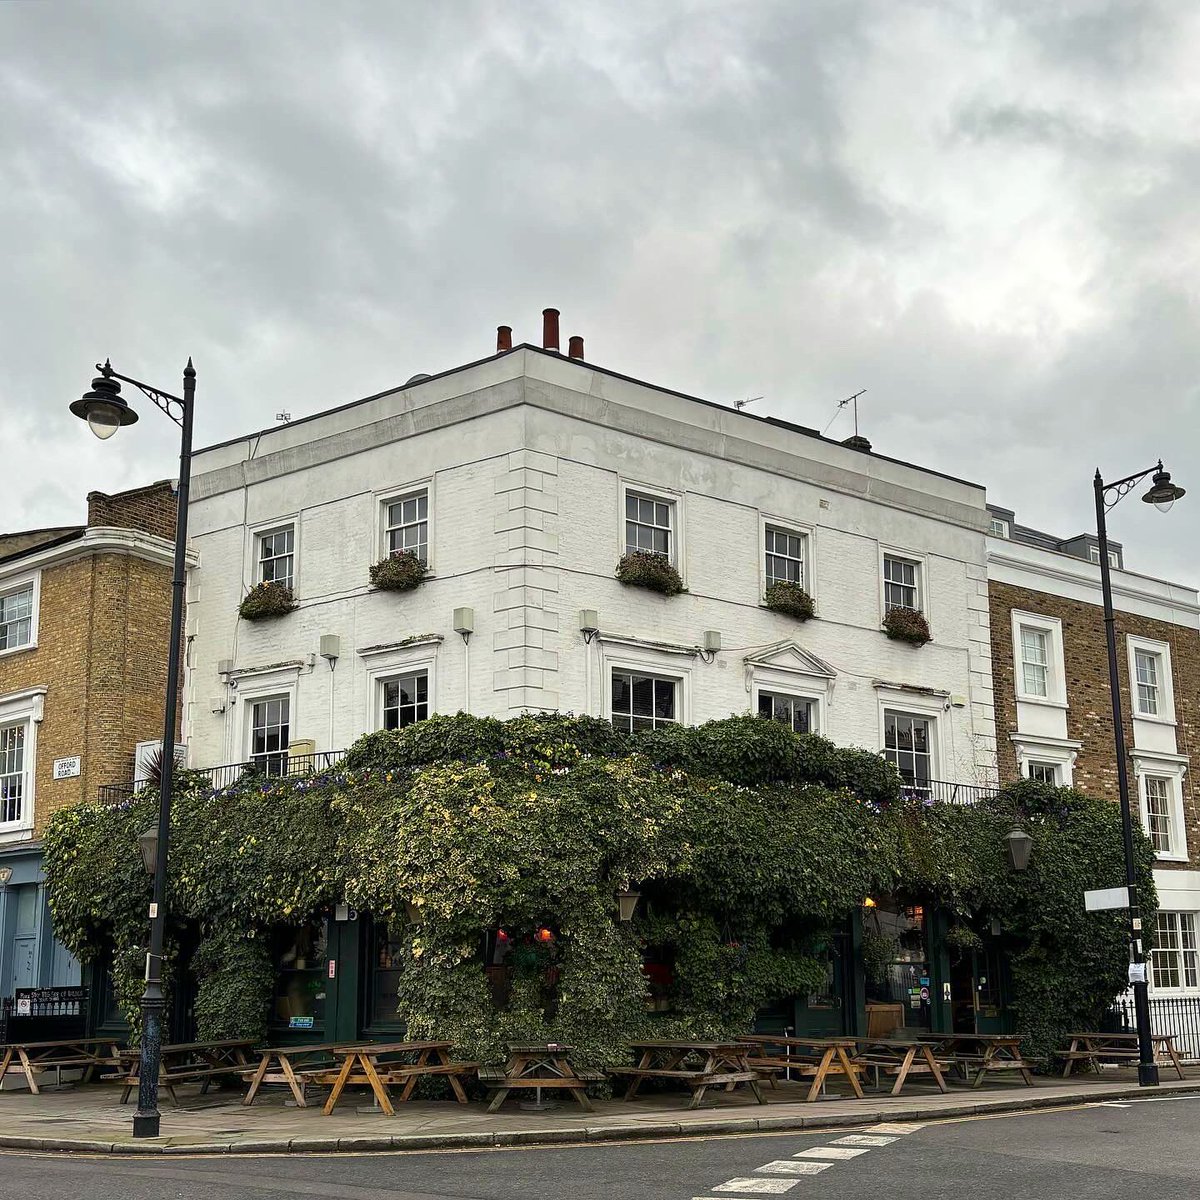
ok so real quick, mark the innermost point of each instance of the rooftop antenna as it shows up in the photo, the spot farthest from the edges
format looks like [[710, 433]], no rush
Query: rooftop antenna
[[283, 417], [842, 404], [740, 404]]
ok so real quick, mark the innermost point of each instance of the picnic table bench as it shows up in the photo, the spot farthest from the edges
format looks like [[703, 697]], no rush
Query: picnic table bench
[[33, 1058], [981, 1052], [546, 1065], [721, 1064], [379, 1064], [902, 1058], [187, 1062], [818, 1057], [1118, 1047], [295, 1066]]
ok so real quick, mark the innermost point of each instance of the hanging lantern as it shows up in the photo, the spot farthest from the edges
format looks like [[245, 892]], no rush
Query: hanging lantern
[[412, 910], [544, 935], [627, 900], [1020, 844]]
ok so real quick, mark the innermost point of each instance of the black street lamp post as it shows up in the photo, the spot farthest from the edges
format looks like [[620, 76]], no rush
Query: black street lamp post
[[1162, 494], [105, 413]]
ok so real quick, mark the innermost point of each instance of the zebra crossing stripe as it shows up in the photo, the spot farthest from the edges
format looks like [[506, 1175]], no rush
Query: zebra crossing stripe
[[789, 1166], [864, 1139], [894, 1127], [833, 1153], [757, 1187]]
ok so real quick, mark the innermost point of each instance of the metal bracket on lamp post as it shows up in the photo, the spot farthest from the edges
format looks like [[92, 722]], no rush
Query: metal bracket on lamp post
[[1163, 493]]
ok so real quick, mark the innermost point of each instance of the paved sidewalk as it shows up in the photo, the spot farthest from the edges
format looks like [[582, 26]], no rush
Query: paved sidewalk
[[89, 1119]]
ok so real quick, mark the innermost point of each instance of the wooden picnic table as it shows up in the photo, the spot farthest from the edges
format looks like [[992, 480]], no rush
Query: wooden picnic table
[[543, 1065], [188, 1062], [381, 1063], [818, 1057], [294, 1065], [33, 1058], [981, 1052], [902, 1058], [721, 1064], [1118, 1047]]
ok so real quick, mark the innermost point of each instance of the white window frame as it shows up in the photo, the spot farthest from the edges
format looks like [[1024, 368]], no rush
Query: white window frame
[[254, 685], [1166, 682], [1059, 752], [1043, 764], [1002, 532], [387, 662], [921, 562], [915, 704], [1056, 691], [663, 664], [390, 495], [22, 583], [1184, 987], [1173, 768], [25, 708], [813, 702], [677, 558], [806, 533], [788, 670], [260, 529], [283, 697]]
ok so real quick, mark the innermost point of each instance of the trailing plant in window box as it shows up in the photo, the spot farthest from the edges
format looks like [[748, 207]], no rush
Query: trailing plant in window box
[[907, 625], [399, 572], [790, 599], [651, 571], [266, 600]]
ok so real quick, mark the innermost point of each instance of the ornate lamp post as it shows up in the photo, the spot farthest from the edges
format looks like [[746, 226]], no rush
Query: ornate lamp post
[[105, 412], [1162, 494]]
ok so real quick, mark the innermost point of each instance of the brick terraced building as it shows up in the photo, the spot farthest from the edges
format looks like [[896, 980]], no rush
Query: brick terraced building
[[1054, 714], [84, 625]]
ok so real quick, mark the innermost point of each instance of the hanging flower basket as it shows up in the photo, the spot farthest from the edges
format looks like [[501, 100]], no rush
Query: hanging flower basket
[[791, 600], [651, 571], [907, 625], [266, 600], [398, 572]]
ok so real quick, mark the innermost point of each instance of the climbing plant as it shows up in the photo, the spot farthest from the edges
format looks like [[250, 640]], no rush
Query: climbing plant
[[751, 847]]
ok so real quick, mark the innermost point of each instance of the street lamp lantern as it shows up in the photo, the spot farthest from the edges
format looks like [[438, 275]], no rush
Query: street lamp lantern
[[1163, 493], [102, 408], [105, 412], [1020, 844], [148, 845], [627, 899]]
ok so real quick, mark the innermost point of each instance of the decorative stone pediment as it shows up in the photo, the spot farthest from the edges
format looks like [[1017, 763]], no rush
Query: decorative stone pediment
[[788, 656]]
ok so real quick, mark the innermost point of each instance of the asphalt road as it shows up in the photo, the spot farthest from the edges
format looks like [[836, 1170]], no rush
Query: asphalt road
[[1101, 1152]]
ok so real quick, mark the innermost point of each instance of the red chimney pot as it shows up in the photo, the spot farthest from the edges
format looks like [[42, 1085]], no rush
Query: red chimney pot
[[550, 329], [503, 338], [575, 347]]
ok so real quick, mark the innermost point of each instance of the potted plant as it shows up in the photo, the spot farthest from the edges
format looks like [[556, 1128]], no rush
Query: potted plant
[[790, 599], [399, 572], [655, 572], [906, 625], [266, 600]]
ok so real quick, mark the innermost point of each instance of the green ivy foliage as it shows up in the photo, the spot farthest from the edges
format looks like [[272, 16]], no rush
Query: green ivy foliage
[[751, 846]]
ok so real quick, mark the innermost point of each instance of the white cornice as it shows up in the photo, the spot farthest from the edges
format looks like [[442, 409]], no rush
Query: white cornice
[[1073, 579], [634, 643], [99, 539]]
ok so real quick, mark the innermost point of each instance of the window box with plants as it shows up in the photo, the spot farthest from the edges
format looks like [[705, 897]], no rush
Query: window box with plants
[[266, 600], [399, 572], [655, 572], [790, 599], [907, 625]]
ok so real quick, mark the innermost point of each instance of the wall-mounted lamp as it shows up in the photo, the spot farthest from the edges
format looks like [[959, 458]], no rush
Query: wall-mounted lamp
[[1020, 844], [627, 900], [712, 643], [331, 648], [589, 624], [464, 623]]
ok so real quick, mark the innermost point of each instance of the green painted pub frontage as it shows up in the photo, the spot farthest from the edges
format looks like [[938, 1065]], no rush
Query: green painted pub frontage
[[894, 967]]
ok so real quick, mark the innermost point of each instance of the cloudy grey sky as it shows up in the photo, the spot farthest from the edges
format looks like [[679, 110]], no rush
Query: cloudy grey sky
[[984, 213]]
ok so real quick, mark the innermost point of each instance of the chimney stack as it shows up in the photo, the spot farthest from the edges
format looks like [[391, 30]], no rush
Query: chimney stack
[[575, 347], [550, 329], [503, 338]]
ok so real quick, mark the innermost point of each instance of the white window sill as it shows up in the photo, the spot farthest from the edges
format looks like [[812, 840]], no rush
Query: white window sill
[[1042, 701], [1159, 720], [18, 649], [1172, 858], [16, 832]]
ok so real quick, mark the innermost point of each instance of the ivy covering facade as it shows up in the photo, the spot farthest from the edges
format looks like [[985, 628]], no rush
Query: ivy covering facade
[[750, 845]]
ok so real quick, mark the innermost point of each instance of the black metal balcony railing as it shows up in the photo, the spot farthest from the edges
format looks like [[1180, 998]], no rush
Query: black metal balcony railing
[[270, 765], [1179, 1015], [943, 791]]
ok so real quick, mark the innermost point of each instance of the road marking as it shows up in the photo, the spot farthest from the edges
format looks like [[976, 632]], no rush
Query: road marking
[[788, 1166], [757, 1187], [894, 1127], [864, 1139], [831, 1152], [1111, 1104]]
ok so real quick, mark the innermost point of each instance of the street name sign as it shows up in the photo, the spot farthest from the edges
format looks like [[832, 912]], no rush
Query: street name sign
[[1102, 898]]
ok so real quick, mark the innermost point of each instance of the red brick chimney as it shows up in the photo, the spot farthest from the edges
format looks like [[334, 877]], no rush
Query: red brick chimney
[[503, 338], [550, 329], [575, 347]]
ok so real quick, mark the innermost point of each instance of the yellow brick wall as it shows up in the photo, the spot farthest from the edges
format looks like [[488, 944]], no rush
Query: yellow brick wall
[[102, 654]]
